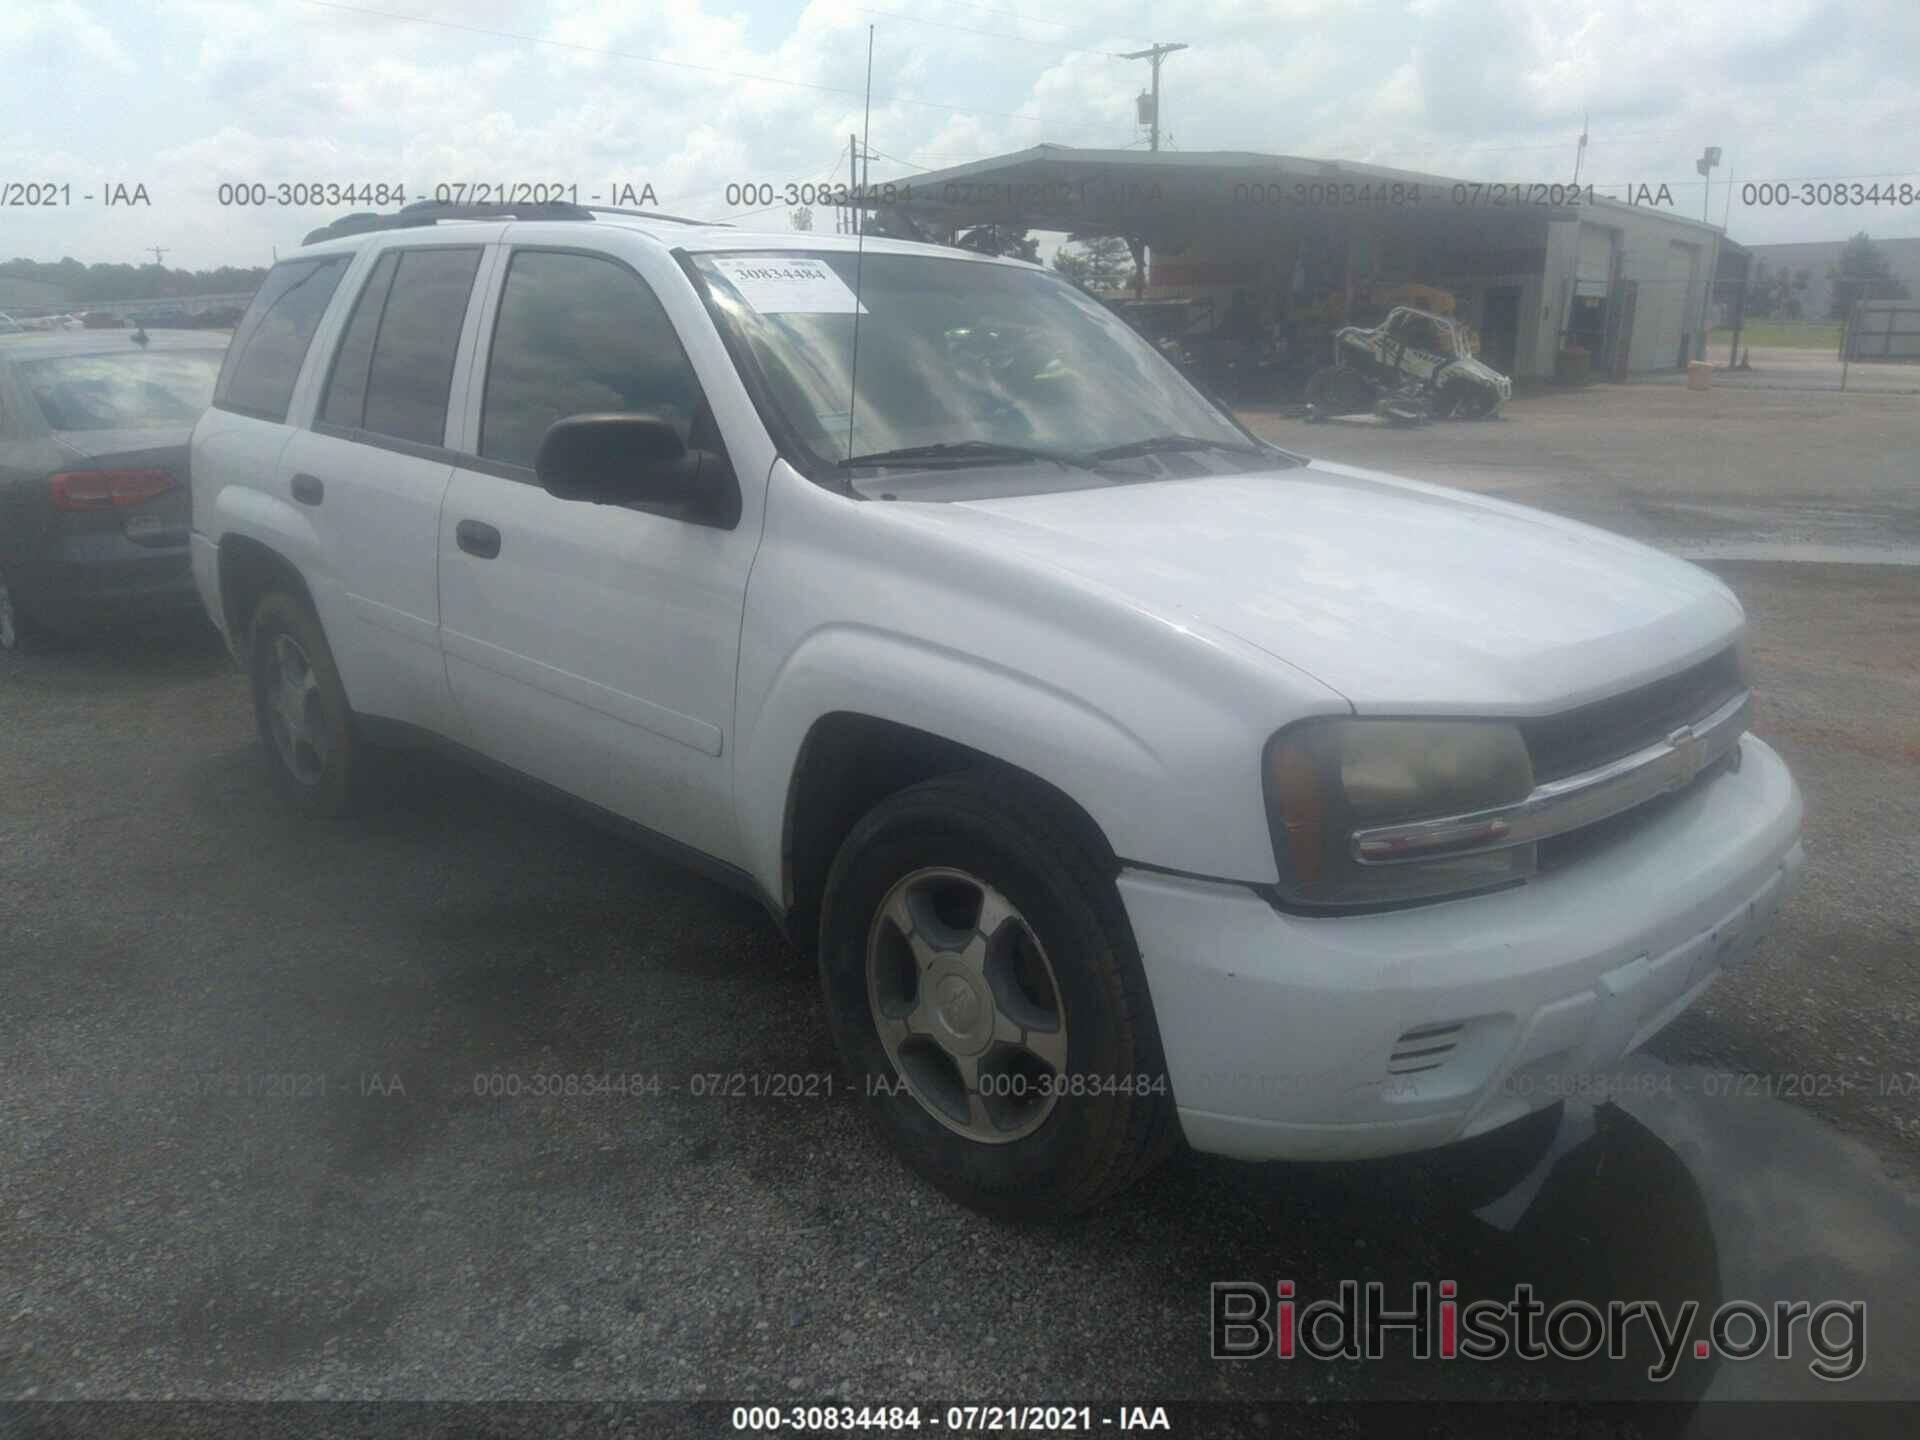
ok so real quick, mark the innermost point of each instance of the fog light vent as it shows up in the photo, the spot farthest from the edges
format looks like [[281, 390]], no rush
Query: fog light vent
[[1425, 1048]]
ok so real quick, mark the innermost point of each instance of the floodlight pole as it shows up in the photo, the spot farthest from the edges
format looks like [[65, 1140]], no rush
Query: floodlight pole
[[1153, 56], [1705, 165]]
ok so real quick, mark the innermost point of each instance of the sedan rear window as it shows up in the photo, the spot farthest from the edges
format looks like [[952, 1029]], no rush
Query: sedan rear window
[[132, 391]]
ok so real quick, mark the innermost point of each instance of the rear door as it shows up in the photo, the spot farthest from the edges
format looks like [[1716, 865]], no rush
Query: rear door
[[373, 467], [237, 444], [593, 646]]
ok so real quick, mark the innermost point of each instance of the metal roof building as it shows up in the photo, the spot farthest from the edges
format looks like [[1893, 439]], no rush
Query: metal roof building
[[1531, 266]]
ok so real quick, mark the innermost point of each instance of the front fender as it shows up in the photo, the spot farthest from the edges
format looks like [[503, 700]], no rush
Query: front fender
[[1126, 782], [1152, 723]]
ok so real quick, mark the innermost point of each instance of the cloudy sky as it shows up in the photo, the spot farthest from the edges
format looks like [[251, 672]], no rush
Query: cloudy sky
[[690, 95]]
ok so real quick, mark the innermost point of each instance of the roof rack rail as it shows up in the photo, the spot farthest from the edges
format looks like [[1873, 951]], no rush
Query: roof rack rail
[[658, 215], [431, 212]]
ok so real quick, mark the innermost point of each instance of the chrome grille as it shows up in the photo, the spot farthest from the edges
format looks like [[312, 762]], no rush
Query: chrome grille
[[1577, 740]]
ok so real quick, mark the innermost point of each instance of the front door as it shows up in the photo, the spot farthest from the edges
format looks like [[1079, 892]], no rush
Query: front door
[[592, 646]]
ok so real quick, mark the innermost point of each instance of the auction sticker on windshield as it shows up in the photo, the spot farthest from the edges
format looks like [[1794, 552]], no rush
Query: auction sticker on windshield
[[783, 285]]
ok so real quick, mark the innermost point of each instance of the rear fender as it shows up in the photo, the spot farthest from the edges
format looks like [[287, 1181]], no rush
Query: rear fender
[[287, 531]]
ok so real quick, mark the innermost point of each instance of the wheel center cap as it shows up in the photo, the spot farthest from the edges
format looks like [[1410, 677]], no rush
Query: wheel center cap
[[962, 1010]]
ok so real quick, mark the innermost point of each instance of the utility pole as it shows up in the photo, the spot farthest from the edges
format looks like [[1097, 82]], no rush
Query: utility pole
[[1580, 151], [1150, 105], [158, 251]]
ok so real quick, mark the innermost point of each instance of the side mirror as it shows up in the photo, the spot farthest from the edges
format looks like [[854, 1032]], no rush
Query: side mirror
[[617, 459]]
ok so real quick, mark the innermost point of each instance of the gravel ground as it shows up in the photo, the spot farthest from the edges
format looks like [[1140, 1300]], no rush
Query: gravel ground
[[246, 1063]]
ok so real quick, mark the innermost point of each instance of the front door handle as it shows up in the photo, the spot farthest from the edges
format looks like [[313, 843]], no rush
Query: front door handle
[[308, 490], [477, 538]]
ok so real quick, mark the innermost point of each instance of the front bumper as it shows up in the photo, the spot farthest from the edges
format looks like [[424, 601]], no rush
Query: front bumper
[[1296, 1037]]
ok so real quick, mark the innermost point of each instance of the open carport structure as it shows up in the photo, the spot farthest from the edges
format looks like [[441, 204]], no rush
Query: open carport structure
[[1310, 244]]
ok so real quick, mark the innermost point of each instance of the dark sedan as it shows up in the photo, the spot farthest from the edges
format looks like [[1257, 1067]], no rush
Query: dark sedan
[[94, 509]]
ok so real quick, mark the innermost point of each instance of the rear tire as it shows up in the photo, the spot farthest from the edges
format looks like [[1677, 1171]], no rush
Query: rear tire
[[967, 922], [301, 708]]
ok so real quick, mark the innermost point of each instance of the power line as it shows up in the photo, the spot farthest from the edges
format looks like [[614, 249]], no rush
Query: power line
[[1030, 19], [815, 86], [990, 34], [883, 155]]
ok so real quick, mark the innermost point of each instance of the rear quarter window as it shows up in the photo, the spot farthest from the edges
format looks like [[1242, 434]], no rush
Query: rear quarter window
[[271, 342]]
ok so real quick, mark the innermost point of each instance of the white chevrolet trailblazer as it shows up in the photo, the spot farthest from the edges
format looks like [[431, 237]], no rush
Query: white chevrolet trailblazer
[[1131, 778]]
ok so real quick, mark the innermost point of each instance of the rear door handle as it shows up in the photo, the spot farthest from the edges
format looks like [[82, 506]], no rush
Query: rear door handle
[[308, 490], [477, 538]]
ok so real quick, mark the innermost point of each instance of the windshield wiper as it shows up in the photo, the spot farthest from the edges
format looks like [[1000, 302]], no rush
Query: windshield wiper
[[962, 452], [1162, 445]]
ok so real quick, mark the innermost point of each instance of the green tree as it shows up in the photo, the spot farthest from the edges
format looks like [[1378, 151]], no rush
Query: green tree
[[1774, 294], [1861, 273], [82, 283], [1095, 262]]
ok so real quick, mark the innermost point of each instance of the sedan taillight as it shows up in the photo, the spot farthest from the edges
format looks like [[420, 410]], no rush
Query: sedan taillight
[[108, 489]]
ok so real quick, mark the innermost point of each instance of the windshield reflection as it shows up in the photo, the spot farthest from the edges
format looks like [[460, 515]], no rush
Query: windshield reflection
[[955, 352]]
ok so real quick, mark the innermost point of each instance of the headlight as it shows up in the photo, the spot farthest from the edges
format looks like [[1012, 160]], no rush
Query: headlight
[[1327, 779]]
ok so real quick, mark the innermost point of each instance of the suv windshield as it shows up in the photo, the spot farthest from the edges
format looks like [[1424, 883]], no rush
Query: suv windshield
[[960, 362]]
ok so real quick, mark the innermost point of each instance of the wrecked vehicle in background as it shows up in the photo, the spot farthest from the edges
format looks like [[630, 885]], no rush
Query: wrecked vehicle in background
[[1412, 366]]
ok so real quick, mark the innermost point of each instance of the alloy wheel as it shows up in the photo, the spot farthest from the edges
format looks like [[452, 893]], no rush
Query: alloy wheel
[[296, 714], [966, 1005]]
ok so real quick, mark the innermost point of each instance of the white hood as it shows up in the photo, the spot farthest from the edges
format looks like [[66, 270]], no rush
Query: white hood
[[1399, 595]]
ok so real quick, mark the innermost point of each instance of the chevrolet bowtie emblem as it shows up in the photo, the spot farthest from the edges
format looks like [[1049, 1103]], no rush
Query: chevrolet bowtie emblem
[[1686, 749]]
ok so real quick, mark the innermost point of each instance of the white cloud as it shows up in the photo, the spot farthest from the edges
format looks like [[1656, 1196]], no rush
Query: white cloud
[[526, 90], [58, 33]]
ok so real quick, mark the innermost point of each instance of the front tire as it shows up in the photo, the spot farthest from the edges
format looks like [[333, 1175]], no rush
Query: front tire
[[301, 709], [984, 989]]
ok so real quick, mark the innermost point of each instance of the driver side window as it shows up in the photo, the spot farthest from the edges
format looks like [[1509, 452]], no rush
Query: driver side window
[[579, 334]]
